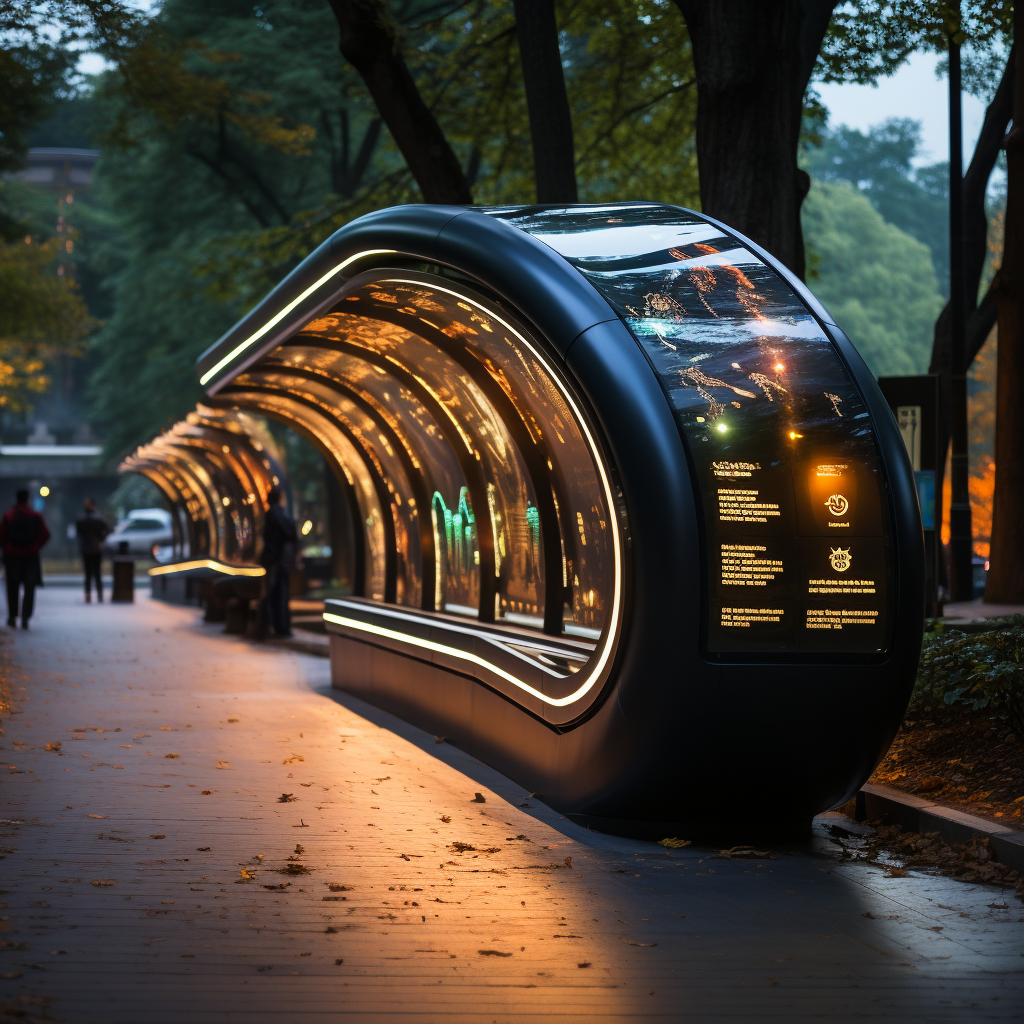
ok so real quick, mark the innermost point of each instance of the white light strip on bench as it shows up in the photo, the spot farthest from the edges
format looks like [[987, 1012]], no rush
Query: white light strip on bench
[[209, 563], [454, 652], [279, 316]]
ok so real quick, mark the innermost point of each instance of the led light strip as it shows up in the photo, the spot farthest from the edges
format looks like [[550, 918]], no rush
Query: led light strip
[[209, 563], [281, 314], [454, 652]]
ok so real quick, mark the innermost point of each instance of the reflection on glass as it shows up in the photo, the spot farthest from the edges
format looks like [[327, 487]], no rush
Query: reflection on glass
[[781, 442]]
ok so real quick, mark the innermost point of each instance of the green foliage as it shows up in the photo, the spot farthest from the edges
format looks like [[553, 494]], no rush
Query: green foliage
[[975, 669], [879, 163], [877, 281], [41, 316], [236, 139], [31, 76]]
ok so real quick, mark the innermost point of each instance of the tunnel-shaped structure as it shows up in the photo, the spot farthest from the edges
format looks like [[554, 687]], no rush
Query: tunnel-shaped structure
[[632, 520], [215, 469]]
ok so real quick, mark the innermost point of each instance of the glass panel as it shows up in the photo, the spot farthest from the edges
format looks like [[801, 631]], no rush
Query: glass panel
[[383, 459], [345, 455], [550, 450], [795, 519]]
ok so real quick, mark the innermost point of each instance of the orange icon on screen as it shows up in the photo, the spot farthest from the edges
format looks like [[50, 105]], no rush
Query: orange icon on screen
[[837, 505]]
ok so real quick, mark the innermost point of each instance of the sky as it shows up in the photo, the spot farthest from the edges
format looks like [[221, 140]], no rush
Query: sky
[[914, 91]]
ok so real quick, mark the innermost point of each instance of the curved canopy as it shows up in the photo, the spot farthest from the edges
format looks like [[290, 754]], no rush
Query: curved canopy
[[215, 468], [481, 381]]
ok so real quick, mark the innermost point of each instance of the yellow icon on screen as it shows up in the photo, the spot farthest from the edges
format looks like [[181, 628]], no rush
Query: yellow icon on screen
[[840, 559], [837, 505]]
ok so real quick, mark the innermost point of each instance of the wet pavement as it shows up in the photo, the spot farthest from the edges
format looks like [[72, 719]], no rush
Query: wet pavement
[[220, 836]]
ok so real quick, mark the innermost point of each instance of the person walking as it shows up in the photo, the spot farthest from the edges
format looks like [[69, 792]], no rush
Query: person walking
[[92, 530], [280, 551], [22, 535]]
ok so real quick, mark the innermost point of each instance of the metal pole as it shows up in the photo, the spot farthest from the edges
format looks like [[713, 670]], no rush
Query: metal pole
[[961, 574]]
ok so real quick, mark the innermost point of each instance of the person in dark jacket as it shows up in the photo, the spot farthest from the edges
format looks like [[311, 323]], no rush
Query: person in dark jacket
[[280, 550], [92, 531], [22, 535]]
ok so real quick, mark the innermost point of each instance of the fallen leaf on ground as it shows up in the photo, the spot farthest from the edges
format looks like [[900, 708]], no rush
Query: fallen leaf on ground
[[492, 952], [335, 887], [158, 837], [245, 874], [632, 943], [673, 843], [445, 818], [479, 799], [294, 759], [293, 869], [104, 881], [98, 815], [55, 745], [745, 851], [286, 798], [281, 886], [172, 755], [207, 792], [584, 964], [224, 764]]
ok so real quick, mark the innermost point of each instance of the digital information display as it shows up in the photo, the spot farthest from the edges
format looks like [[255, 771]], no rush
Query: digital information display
[[795, 517], [797, 559]]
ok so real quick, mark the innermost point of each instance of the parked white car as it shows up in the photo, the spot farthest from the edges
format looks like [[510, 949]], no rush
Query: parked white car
[[142, 528]]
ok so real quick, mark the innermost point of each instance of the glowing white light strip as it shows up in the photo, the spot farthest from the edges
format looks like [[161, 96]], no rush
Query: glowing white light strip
[[209, 563], [606, 650], [278, 317], [454, 652]]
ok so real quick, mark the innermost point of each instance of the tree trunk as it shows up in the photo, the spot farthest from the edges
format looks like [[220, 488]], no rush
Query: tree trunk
[[753, 62], [980, 317], [368, 43], [1005, 583], [554, 161]]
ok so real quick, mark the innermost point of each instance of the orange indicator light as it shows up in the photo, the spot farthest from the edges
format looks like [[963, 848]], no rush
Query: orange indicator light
[[793, 435], [779, 368]]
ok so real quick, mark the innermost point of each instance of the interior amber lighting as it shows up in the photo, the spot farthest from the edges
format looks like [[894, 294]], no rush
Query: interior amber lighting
[[793, 435], [306, 527], [779, 368], [209, 563], [282, 313]]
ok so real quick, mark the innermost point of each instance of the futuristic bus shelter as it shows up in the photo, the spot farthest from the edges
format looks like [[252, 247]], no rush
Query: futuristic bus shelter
[[215, 469], [637, 527]]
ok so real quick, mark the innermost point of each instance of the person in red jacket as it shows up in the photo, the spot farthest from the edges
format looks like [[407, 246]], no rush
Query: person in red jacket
[[22, 535]]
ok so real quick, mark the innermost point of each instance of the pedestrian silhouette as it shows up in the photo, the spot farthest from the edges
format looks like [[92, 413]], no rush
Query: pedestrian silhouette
[[22, 535], [280, 552], [92, 530]]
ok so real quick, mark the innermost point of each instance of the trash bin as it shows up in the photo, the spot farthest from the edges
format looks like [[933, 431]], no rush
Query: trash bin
[[124, 575]]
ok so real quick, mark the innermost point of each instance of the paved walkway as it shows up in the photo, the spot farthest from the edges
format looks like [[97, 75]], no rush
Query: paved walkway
[[153, 875]]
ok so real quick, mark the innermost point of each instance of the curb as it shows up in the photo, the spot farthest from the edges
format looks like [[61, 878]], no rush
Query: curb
[[916, 814]]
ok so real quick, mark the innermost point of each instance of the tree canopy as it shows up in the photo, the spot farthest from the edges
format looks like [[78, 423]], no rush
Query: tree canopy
[[877, 281]]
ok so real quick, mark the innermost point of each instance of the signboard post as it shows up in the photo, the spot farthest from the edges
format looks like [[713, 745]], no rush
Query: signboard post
[[914, 402]]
